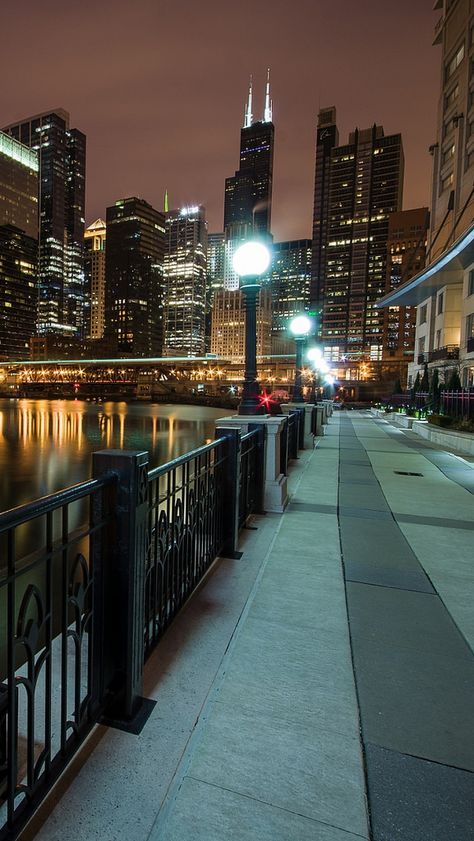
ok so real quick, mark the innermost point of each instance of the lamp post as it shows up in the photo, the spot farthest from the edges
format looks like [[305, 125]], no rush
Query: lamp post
[[250, 261], [315, 356], [300, 327]]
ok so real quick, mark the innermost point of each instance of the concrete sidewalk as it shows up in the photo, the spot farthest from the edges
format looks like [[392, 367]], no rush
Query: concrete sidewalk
[[256, 733]]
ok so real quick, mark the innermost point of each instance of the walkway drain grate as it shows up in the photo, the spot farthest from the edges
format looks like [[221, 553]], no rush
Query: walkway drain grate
[[406, 473]]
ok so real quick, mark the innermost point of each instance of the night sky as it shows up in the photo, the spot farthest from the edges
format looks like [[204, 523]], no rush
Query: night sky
[[158, 86]]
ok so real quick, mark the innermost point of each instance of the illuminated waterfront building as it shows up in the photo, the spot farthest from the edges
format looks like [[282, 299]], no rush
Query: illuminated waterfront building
[[228, 324], [62, 159], [134, 261], [290, 288], [18, 247], [443, 292], [185, 274], [94, 269], [357, 186]]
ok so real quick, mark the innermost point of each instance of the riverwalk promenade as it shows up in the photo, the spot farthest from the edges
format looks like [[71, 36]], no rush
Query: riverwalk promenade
[[319, 688]]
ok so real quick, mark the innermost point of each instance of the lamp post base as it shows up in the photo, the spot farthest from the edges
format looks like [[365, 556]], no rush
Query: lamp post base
[[251, 406]]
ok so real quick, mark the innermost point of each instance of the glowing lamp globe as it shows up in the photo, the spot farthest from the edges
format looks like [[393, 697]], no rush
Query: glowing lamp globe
[[323, 366], [300, 326], [251, 259], [314, 354], [329, 379]]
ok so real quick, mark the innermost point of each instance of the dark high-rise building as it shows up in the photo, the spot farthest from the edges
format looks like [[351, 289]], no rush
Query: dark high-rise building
[[62, 155], [18, 247], [134, 261], [327, 138], [407, 236], [290, 286], [362, 185], [184, 291], [248, 193]]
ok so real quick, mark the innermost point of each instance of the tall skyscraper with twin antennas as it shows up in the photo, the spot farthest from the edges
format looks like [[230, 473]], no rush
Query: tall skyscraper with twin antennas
[[248, 193], [247, 212]]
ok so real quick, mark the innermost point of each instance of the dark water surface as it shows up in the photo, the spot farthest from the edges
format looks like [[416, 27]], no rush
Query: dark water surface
[[46, 445]]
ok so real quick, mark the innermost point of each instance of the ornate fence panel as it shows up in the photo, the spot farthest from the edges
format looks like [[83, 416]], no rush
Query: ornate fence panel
[[458, 404], [186, 531], [49, 626], [251, 474], [293, 434], [284, 448]]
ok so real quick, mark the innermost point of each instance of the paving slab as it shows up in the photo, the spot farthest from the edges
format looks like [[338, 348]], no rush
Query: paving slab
[[415, 674], [378, 553], [416, 800], [285, 764], [204, 812]]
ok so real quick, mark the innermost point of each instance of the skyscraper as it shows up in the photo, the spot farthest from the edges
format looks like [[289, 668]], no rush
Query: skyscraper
[[18, 247], [134, 261], [248, 193], [215, 276], [360, 186], [407, 233], [327, 137], [290, 287], [62, 161], [228, 324], [184, 291], [94, 270]]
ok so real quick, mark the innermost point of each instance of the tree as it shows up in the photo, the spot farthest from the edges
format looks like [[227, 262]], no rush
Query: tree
[[397, 388], [425, 380], [416, 386], [454, 382]]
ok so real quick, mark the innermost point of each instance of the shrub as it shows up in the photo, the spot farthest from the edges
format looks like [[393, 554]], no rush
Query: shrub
[[440, 420]]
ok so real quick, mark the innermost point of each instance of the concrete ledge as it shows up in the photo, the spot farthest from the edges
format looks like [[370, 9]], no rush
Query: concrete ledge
[[462, 441], [397, 418]]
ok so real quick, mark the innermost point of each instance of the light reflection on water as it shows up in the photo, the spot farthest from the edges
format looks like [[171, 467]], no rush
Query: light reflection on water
[[46, 445]]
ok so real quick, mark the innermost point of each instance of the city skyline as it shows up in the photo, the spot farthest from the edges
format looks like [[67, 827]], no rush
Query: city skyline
[[191, 79]]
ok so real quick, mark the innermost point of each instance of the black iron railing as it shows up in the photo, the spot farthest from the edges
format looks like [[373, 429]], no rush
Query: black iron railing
[[284, 440], [458, 404], [446, 352], [80, 613], [251, 474], [185, 531], [50, 630], [293, 434]]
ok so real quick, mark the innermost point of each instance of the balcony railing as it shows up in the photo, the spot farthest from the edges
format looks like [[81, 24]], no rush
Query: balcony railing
[[446, 352]]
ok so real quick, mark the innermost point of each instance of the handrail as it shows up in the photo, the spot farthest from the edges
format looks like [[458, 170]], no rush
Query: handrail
[[156, 472], [45, 504]]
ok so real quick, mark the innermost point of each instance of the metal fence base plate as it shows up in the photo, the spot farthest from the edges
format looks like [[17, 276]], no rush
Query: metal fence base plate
[[134, 725]]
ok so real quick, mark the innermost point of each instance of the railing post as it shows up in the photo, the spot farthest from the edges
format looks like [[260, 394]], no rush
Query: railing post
[[230, 492], [123, 587], [259, 429]]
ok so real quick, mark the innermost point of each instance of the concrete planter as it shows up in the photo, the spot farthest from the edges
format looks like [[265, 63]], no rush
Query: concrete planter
[[461, 441]]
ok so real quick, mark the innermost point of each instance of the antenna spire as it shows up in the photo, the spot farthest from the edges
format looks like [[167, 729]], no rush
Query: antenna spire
[[248, 108], [165, 202], [267, 114]]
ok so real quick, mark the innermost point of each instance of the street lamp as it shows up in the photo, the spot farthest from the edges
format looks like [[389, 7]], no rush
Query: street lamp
[[300, 327], [250, 261]]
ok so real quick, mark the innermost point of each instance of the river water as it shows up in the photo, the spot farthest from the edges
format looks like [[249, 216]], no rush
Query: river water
[[46, 445]]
